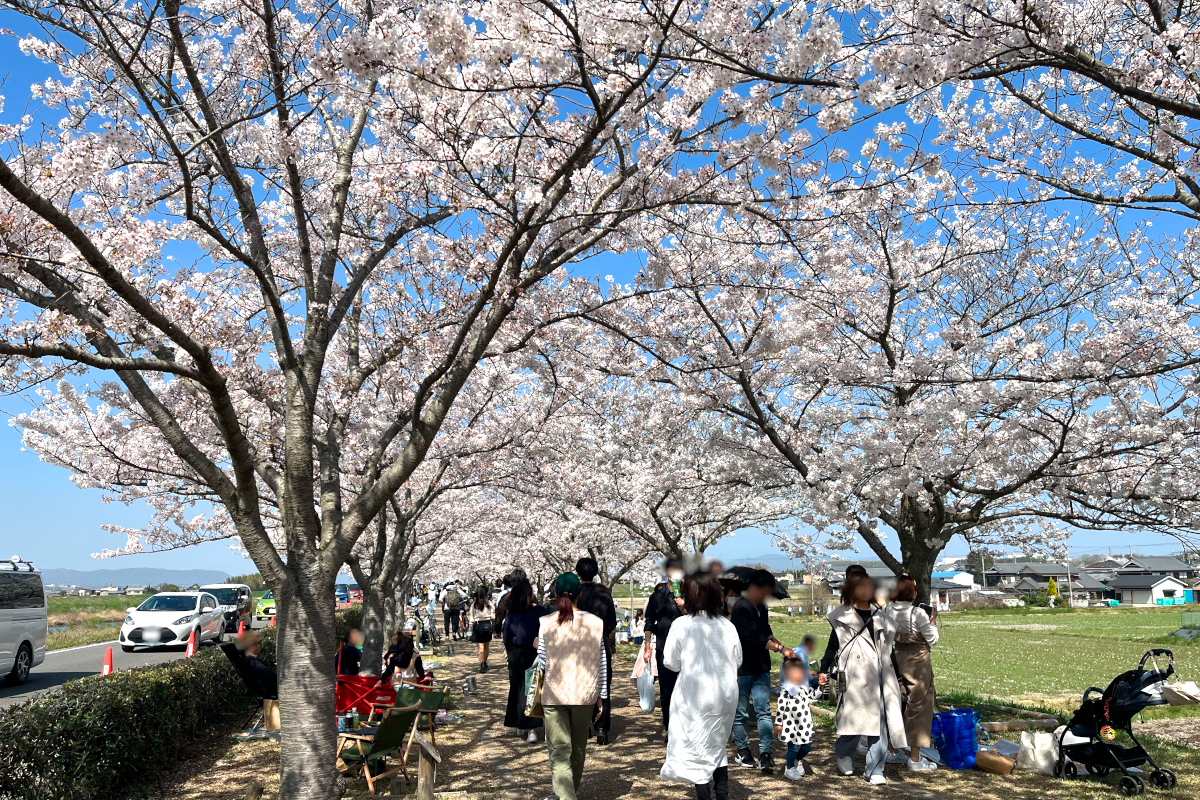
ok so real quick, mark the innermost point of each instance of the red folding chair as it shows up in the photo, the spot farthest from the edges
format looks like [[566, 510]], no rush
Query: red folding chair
[[363, 692]]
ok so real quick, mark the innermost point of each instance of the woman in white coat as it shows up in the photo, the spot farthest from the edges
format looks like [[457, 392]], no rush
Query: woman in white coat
[[703, 647], [868, 693]]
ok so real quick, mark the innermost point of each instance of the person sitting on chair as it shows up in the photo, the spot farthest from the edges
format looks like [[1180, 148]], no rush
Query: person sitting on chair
[[249, 644]]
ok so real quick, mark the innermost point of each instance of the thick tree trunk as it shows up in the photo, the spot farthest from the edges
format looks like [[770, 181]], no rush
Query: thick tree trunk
[[307, 642], [376, 629]]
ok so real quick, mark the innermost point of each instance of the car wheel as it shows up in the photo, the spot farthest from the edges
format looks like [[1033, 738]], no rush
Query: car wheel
[[128, 648], [21, 666]]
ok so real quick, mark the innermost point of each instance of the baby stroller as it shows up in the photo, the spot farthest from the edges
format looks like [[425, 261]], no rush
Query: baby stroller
[[1105, 712]]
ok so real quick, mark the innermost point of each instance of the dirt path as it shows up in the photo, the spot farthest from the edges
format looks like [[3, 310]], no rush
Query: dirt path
[[480, 755]]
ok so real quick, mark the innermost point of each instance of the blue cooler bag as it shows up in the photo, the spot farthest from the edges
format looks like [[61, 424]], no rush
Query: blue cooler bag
[[955, 734]]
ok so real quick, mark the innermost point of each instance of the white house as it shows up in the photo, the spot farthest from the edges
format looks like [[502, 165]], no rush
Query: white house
[[1146, 590]]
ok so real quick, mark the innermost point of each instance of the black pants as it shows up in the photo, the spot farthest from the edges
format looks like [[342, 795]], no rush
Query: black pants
[[720, 788], [603, 720], [666, 687], [446, 615], [520, 659]]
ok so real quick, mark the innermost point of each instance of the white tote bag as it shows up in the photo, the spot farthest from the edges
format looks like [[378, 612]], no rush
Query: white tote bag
[[1185, 693], [1038, 753], [645, 687]]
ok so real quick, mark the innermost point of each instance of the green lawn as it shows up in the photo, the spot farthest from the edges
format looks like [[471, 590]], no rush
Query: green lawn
[[1035, 658]]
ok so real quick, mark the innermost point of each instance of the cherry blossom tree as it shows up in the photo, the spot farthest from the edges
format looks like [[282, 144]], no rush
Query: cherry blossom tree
[[275, 225], [635, 470], [1086, 100], [925, 368]]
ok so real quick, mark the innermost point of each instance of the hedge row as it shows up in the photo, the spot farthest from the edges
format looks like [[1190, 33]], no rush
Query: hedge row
[[100, 737]]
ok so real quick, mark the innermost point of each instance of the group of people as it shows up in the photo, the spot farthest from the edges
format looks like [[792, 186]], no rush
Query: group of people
[[710, 637]]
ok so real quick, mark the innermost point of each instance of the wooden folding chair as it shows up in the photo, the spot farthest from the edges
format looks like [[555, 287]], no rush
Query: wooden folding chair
[[392, 737], [430, 701]]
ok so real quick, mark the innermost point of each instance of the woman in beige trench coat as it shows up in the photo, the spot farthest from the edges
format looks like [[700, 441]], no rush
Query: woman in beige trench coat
[[868, 700], [915, 636]]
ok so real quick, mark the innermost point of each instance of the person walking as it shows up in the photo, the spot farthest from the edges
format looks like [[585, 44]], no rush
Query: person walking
[[637, 628], [481, 615], [521, 621], [704, 649], [749, 616], [451, 600], [868, 703], [662, 609], [595, 598], [794, 722], [571, 654], [916, 636]]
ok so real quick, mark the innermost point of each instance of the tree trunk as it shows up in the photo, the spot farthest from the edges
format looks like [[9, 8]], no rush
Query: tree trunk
[[376, 630], [919, 560], [307, 642]]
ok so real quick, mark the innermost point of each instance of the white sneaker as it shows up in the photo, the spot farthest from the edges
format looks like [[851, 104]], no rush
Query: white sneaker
[[896, 758], [845, 765], [877, 779], [794, 773], [924, 765], [532, 737]]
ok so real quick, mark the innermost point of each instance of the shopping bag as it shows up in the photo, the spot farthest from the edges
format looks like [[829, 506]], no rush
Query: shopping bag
[[645, 687], [534, 677], [1185, 693], [1039, 752], [956, 735]]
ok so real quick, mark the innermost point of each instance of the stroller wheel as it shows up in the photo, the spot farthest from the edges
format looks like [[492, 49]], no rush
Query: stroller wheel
[[1070, 771], [1131, 785], [1162, 779]]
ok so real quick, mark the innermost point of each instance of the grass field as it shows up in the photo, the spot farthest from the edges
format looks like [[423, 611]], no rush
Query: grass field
[[1035, 658], [87, 619]]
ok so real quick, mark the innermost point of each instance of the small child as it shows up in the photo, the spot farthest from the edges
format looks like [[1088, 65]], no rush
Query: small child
[[794, 722]]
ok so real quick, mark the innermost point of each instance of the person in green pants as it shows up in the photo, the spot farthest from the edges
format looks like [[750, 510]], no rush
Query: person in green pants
[[571, 654]]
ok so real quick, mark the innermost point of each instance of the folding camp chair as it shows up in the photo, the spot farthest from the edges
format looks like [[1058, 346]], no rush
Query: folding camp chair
[[430, 701], [363, 692], [388, 740]]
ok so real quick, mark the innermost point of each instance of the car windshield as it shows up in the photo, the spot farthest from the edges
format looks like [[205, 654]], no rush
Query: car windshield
[[226, 597], [169, 602], [268, 596]]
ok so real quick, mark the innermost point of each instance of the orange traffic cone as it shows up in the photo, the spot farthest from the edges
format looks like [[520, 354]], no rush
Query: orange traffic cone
[[191, 647], [272, 621], [108, 668], [241, 627]]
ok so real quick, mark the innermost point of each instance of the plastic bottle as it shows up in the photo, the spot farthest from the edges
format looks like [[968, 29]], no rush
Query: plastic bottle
[[354, 716]]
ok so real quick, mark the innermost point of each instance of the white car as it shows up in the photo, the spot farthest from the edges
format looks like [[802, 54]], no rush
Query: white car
[[22, 620], [168, 618]]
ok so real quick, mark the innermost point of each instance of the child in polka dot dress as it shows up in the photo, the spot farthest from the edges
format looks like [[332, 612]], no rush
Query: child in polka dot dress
[[794, 722]]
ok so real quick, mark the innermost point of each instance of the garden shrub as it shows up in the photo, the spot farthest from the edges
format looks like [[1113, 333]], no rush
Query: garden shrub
[[102, 736]]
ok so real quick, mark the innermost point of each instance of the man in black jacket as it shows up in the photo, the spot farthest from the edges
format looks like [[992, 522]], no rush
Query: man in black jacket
[[595, 598], [663, 608], [749, 616]]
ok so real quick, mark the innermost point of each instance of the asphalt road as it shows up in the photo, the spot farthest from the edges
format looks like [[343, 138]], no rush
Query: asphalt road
[[61, 666]]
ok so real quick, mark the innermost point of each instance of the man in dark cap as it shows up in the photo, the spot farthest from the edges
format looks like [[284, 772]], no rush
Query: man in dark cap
[[595, 598], [749, 616]]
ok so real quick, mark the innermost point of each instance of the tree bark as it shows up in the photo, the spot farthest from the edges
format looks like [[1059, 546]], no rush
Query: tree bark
[[375, 628], [307, 643]]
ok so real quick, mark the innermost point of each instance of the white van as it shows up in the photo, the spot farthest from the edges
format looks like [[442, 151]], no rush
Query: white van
[[22, 619]]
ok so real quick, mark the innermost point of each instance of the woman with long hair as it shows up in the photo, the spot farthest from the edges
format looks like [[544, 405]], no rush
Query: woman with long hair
[[575, 682], [704, 648], [916, 636], [481, 622], [402, 658], [868, 694], [522, 617]]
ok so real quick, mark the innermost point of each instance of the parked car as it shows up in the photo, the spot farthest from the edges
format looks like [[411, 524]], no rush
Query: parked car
[[265, 607], [22, 620], [170, 617], [235, 600]]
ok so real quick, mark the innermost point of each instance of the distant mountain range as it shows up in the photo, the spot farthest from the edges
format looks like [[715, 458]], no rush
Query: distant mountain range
[[130, 576]]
